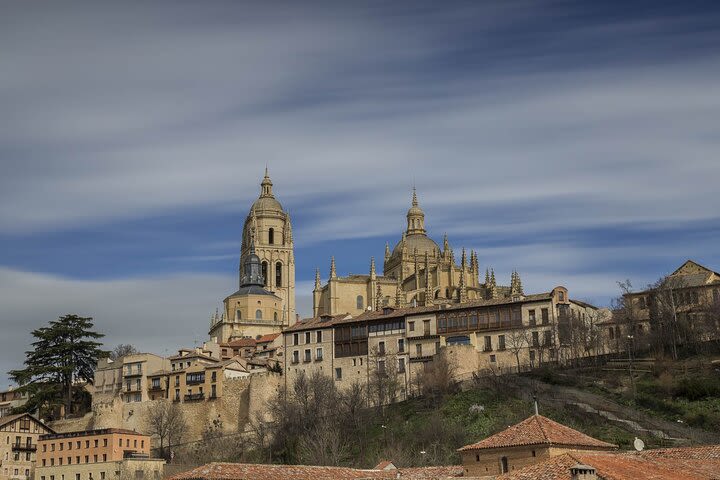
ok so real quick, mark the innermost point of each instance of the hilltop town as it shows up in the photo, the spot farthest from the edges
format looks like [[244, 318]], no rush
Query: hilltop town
[[425, 328]]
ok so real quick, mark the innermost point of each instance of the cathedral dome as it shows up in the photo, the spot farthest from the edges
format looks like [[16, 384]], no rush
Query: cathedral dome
[[422, 242], [266, 201]]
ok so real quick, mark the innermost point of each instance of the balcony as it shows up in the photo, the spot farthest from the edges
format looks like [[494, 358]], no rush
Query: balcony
[[195, 381], [487, 349], [132, 388], [157, 388], [194, 397], [24, 447]]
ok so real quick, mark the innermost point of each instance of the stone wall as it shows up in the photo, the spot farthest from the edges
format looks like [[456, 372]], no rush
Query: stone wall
[[242, 400]]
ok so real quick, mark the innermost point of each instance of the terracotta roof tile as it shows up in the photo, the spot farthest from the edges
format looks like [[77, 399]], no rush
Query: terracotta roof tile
[[268, 338], [316, 322], [539, 430], [691, 463], [246, 471]]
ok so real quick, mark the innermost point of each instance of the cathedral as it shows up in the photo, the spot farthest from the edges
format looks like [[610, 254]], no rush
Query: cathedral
[[417, 272], [265, 300]]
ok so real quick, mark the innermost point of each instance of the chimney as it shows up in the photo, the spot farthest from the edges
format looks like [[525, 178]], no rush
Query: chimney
[[583, 472]]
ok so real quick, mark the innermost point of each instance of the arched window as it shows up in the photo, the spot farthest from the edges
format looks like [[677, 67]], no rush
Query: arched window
[[360, 302], [264, 272], [437, 293], [447, 293], [271, 236], [278, 274], [258, 314], [275, 316], [238, 315]]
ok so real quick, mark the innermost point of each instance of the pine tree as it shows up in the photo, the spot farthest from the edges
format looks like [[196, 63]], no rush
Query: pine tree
[[65, 352]]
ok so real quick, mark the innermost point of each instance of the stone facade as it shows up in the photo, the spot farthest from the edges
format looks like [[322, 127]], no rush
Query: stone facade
[[266, 309], [19, 435], [493, 335], [416, 272]]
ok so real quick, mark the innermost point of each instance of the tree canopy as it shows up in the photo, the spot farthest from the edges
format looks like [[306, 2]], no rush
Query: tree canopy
[[65, 352]]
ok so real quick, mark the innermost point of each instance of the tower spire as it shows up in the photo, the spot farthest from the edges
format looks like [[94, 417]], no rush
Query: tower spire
[[333, 272], [266, 186], [317, 279]]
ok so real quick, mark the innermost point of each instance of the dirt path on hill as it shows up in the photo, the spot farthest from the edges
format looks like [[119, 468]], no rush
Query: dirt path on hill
[[630, 419]]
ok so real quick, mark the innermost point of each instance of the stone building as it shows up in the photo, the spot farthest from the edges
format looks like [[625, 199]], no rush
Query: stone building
[[501, 335], [10, 399], [531, 441], [19, 436], [417, 272], [265, 301]]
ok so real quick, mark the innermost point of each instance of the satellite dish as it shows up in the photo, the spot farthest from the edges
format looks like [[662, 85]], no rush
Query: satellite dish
[[639, 444]]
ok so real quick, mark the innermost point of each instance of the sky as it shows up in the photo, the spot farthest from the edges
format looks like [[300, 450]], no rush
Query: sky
[[576, 142]]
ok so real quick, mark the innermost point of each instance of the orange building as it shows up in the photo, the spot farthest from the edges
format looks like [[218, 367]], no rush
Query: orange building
[[91, 446]]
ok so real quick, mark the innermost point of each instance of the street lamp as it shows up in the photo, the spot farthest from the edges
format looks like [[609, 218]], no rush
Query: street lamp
[[630, 359]]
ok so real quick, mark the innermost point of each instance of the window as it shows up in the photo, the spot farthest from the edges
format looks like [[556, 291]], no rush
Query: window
[[97, 443], [213, 391], [278, 274], [296, 339], [504, 465], [501, 342], [307, 337], [532, 356], [381, 366], [381, 348], [492, 359], [360, 302], [561, 296], [535, 339], [177, 397], [177, 380], [401, 345], [307, 355], [531, 317], [271, 236], [547, 337], [318, 336], [264, 270], [338, 374], [401, 365], [545, 316], [411, 326], [238, 314], [426, 327], [488, 344], [258, 314], [418, 349], [319, 354], [295, 356]]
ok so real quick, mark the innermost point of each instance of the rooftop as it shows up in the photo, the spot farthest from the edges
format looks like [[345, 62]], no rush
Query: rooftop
[[539, 430], [691, 463], [248, 471]]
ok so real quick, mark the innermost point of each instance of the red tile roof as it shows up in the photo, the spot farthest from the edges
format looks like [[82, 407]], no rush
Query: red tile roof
[[691, 463], [315, 322], [246, 471], [268, 338], [539, 430], [240, 342]]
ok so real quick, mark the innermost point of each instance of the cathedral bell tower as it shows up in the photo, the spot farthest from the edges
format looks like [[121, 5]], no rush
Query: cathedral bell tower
[[268, 229]]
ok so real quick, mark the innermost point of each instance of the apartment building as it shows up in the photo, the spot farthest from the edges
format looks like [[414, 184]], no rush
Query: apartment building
[[94, 455], [497, 334], [128, 376], [19, 436], [11, 399]]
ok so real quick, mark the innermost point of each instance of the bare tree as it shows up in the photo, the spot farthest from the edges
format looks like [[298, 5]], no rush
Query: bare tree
[[325, 445], [438, 378], [122, 350], [516, 341], [166, 420], [383, 383]]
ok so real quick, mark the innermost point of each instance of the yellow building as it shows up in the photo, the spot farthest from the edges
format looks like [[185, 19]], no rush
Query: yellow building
[[417, 272], [265, 301]]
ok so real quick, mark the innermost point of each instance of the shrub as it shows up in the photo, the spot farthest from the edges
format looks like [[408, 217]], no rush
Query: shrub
[[653, 403], [696, 388]]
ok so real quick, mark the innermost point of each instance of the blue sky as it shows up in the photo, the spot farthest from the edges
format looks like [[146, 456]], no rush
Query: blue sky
[[576, 142]]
